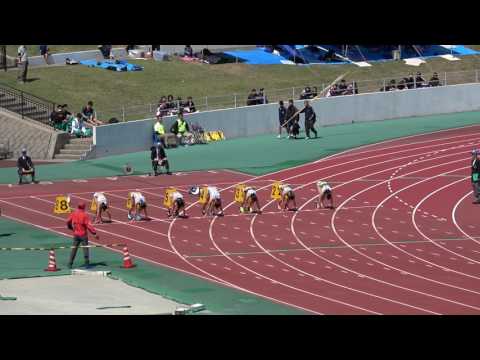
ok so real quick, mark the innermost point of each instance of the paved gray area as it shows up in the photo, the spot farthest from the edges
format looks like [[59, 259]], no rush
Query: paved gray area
[[79, 295]]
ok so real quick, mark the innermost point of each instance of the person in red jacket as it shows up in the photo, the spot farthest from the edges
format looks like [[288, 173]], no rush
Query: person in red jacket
[[79, 222]]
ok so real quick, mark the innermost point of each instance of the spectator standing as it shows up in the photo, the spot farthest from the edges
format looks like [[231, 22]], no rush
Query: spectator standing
[[252, 98], [44, 51], [282, 113], [22, 61], [293, 119], [310, 119], [89, 115], [25, 167], [79, 222], [476, 175]]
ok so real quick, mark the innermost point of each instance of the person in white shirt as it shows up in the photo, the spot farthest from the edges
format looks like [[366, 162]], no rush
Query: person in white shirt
[[102, 206], [177, 202], [22, 60], [325, 193], [138, 203], [288, 196], [251, 199]]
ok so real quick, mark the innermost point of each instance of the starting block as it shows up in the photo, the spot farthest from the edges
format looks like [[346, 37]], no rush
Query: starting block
[[62, 205], [128, 205], [240, 194], [93, 206], [203, 195], [167, 200], [276, 193]]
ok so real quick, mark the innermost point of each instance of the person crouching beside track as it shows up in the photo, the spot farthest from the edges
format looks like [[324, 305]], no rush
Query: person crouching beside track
[[476, 175]]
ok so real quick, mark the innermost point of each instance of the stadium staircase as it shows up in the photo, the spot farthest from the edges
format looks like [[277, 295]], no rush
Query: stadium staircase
[[75, 149]]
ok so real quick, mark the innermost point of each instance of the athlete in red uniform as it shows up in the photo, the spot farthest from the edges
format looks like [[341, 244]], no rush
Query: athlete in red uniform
[[79, 222]]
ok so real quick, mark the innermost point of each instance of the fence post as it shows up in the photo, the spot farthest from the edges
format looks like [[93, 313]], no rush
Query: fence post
[[476, 76], [206, 103], [235, 100], [384, 84], [123, 113], [293, 93], [445, 78], [414, 82]]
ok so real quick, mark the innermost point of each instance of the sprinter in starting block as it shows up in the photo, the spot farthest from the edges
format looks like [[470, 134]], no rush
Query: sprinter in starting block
[[288, 196], [325, 195], [210, 199], [138, 203], [250, 200], [102, 207], [177, 207]]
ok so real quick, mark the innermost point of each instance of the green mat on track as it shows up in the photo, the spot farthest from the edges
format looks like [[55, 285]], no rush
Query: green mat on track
[[256, 155], [168, 283]]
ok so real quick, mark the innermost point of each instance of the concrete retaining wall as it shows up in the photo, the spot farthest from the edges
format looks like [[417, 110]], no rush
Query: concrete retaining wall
[[59, 58], [263, 119]]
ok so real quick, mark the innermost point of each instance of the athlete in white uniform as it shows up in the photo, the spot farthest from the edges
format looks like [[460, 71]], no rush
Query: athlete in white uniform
[[214, 202], [178, 205], [102, 206], [325, 193], [139, 204], [288, 196], [251, 198]]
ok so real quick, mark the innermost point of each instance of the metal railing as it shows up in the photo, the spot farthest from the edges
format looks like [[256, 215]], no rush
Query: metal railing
[[25, 104], [135, 112]]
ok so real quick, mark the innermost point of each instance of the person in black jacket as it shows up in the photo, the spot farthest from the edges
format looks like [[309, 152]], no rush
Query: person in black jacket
[[476, 175], [282, 113], [310, 118], [292, 120], [25, 167], [159, 158]]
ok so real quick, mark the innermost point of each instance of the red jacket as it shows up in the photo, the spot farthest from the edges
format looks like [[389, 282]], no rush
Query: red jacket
[[80, 222]]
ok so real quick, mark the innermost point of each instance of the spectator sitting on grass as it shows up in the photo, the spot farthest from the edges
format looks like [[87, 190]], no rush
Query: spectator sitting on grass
[[188, 52], [342, 86], [420, 81], [434, 81], [333, 91], [78, 127], [190, 105], [252, 98], [410, 81], [89, 115], [402, 85], [261, 98], [306, 93], [162, 109], [349, 90], [314, 92], [171, 102], [58, 118], [181, 129]]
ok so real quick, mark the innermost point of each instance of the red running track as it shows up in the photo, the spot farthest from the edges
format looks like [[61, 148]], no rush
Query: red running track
[[402, 239]]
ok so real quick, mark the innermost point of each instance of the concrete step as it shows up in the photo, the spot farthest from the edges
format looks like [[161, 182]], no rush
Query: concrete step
[[71, 152], [78, 141], [84, 147], [67, 157]]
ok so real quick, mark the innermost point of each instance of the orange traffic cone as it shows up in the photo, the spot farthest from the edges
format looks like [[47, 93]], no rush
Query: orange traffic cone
[[52, 263], [127, 262]]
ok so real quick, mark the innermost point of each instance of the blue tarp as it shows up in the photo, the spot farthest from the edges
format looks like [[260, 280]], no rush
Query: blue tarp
[[257, 57], [115, 65]]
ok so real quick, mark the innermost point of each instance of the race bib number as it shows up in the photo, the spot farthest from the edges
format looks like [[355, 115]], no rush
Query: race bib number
[[276, 192], [240, 194], [475, 177], [62, 205], [203, 196], [167, 200]]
